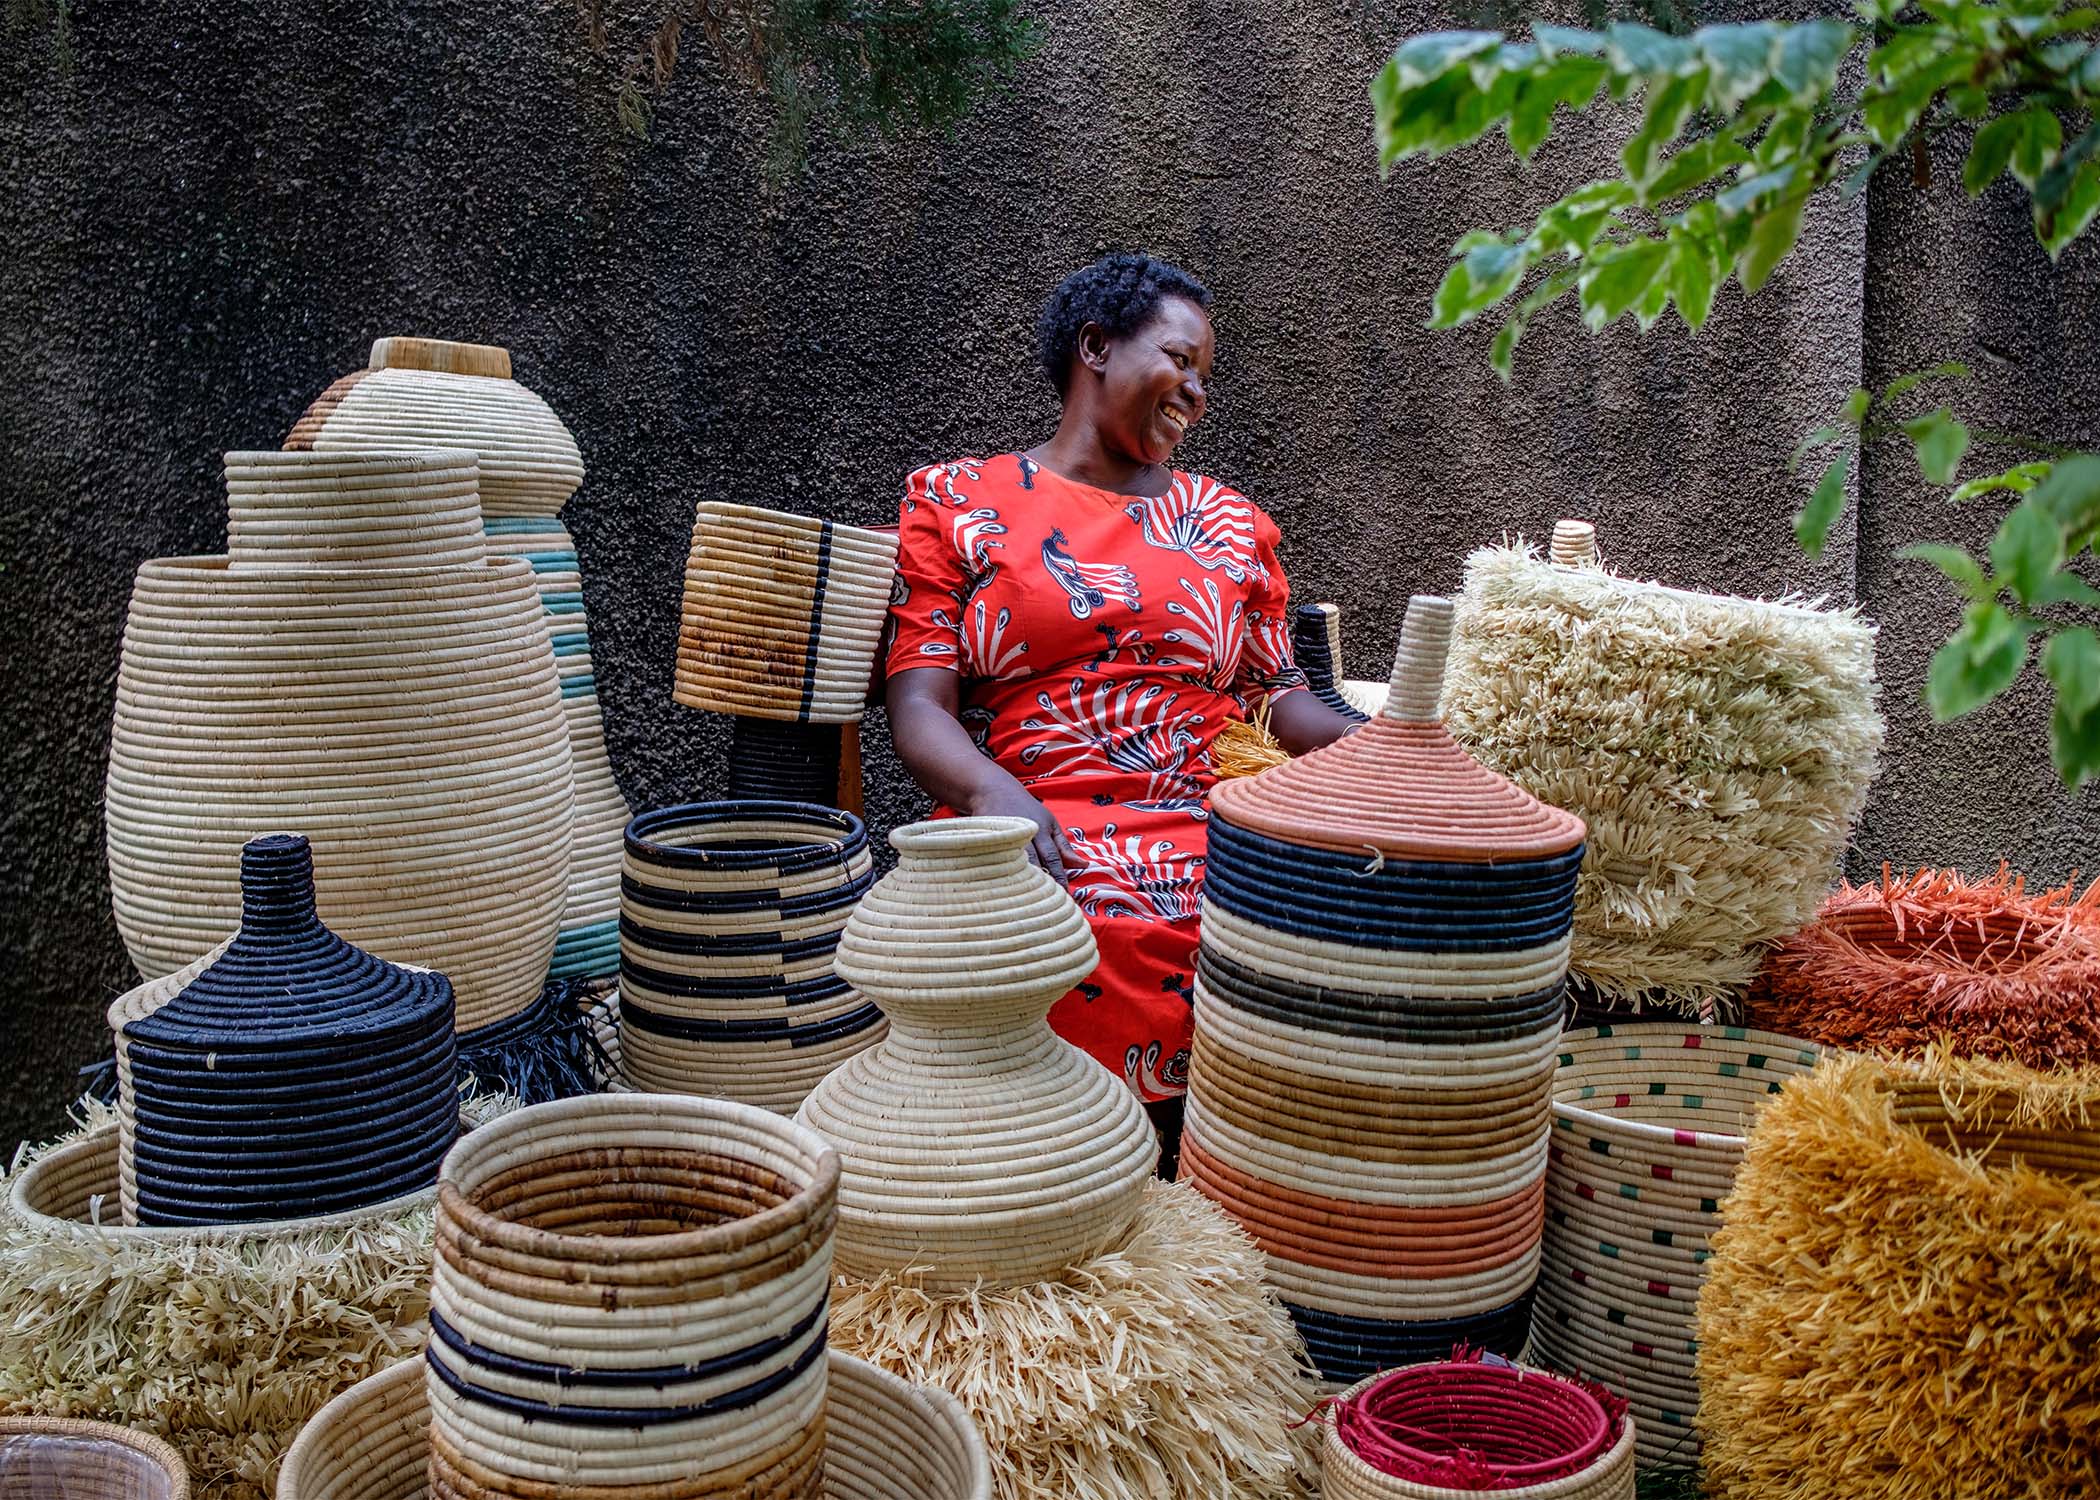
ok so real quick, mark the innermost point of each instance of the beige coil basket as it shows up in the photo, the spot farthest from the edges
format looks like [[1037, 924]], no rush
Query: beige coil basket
[[782, 614], [979, 1146], [55, 1458], [886, 1439], [631, 1290]]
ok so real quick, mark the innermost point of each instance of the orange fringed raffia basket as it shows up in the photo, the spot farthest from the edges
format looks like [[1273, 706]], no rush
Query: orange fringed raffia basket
[[1988, 967]]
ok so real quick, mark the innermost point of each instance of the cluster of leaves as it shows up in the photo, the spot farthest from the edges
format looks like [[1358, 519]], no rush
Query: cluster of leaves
[[872, 65], [2022, 590], [1741, 125]]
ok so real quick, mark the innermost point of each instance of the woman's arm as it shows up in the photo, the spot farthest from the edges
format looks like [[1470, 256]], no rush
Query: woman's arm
[[948, 766], [1301, 722]]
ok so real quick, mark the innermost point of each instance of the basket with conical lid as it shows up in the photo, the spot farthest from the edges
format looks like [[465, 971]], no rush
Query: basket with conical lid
[[979, 1146]]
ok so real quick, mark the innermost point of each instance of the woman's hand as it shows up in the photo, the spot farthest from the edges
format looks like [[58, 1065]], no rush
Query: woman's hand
[[1301, 722], [1048, 847]]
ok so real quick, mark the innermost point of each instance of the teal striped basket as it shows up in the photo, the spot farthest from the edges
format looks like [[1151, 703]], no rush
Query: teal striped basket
[[1648, 1125]]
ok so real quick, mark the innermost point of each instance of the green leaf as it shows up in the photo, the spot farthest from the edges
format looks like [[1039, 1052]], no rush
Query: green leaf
[[1502, 354], [1978, 662], [1739, 59], [1653, 304], [1809, 55], [1891, 107], [1692, 277], [1812, 525], [2028, 549], [1858, 404], [1770, 240], [1903, 385], [1955, 565], [2072, 662], [1740, 197], [2019, 479], [1990, 153], [2068, 196], [2068, 588], [1614, 281], [1668, 108], [1940, 441], [1822, 437], [2074, 746], [1421, 58], [1572, 225], [2072, 493], [1633, 48], [2035, 144], [1489, 272], [1694, 166], [1555, 40]]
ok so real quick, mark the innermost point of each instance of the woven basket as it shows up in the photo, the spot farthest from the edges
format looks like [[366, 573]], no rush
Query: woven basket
[[418, 507], [1648, 1126], [1385, 931], [405, 719], [429, 391], [979, 1145], [1316, 643], [1718, 748], [1345, 1476], [53, 1458], [730, 914], [782, 614], [630, 1290], [885, 1440]]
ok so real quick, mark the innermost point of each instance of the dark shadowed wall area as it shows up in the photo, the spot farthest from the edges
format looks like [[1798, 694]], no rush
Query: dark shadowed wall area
[[222, 204]]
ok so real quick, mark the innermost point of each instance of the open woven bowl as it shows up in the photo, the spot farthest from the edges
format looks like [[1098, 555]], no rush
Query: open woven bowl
[[886, 1440], [53, 1458]]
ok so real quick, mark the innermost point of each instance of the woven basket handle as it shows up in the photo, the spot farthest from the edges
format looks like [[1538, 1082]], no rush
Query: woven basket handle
[[1418, 666]]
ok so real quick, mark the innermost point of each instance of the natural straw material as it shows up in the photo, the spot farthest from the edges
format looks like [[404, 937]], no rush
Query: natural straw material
[[56, 1458], [980, 1147], [782, 614], [1648, 1128], [413, 508], [1718, 749], [406, 719], [1987, 967], [1159, 1369], [1901, 1301]]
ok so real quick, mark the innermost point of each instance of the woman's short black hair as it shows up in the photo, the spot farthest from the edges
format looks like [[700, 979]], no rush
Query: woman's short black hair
[[1120, 291]]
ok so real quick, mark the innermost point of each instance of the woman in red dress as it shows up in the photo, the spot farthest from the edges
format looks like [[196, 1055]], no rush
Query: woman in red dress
[[1075, 625]]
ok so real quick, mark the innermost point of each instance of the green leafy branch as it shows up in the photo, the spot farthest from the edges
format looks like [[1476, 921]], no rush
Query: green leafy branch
[[1741, 126]]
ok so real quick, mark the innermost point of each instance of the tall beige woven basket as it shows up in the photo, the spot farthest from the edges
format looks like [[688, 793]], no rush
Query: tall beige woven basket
[[406, 718], [979, 1145], [419, 391]]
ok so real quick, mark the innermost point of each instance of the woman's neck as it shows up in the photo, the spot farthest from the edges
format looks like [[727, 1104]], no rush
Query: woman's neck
[[1075, 452]]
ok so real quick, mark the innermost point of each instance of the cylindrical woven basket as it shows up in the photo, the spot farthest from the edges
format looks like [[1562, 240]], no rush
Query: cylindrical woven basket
[[430, 391], [631, 1290], [54, 1458], [980, 1147], [287, 1075], [1316, 643], [1345, 1476], [1385, 931], [886, 1439], [1912, 1243], [730, 915], [407, 720], [782, 614], [1648, 1130]]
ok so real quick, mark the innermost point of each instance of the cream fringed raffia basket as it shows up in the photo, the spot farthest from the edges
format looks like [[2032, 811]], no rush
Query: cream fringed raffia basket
[[54, 1458], [430, 391], [1648, 1123], [631, 1290], [406, 718], [980, 1147]]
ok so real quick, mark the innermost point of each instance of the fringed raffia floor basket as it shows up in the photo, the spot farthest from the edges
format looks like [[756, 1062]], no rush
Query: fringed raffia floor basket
[[1718, 748], [631, 1290], [1648, 1122], [430, 392], [731, 912], [885, 1440], [55, 1458], [1385, 930], [1903, 1299]]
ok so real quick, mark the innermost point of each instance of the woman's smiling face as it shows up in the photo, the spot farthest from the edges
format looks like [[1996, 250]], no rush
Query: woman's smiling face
[[1152, 381]]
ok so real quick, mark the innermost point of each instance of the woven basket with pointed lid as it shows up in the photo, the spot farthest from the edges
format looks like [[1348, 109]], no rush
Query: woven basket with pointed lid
[[1385, 934], [979, 1145], [453, 395]]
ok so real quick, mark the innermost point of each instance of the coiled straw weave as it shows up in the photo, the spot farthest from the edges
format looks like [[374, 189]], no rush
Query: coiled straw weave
[[54, 1458]]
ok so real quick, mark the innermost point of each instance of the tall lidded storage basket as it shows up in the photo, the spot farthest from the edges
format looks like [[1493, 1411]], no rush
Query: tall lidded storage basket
[[1378, 996], [417, 392], [401, 712]]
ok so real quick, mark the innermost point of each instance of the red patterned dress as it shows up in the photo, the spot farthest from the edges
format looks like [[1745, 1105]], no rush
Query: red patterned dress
[[1103, 641]]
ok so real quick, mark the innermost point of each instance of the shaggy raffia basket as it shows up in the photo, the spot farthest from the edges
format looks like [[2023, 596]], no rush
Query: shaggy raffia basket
[[1903, 1300], [430, 392], [222, 1341], [1987, 967], [731, 912], [981, 1148], [886, 1439], [1718, 749], [55, 1458], [1648, 1123], [630, 1291]]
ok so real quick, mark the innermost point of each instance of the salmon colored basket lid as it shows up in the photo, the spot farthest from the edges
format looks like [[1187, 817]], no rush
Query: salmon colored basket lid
[[1402, 786]]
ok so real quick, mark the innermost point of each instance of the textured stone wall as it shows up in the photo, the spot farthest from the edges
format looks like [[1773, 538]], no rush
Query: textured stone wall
[[223, 204]]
